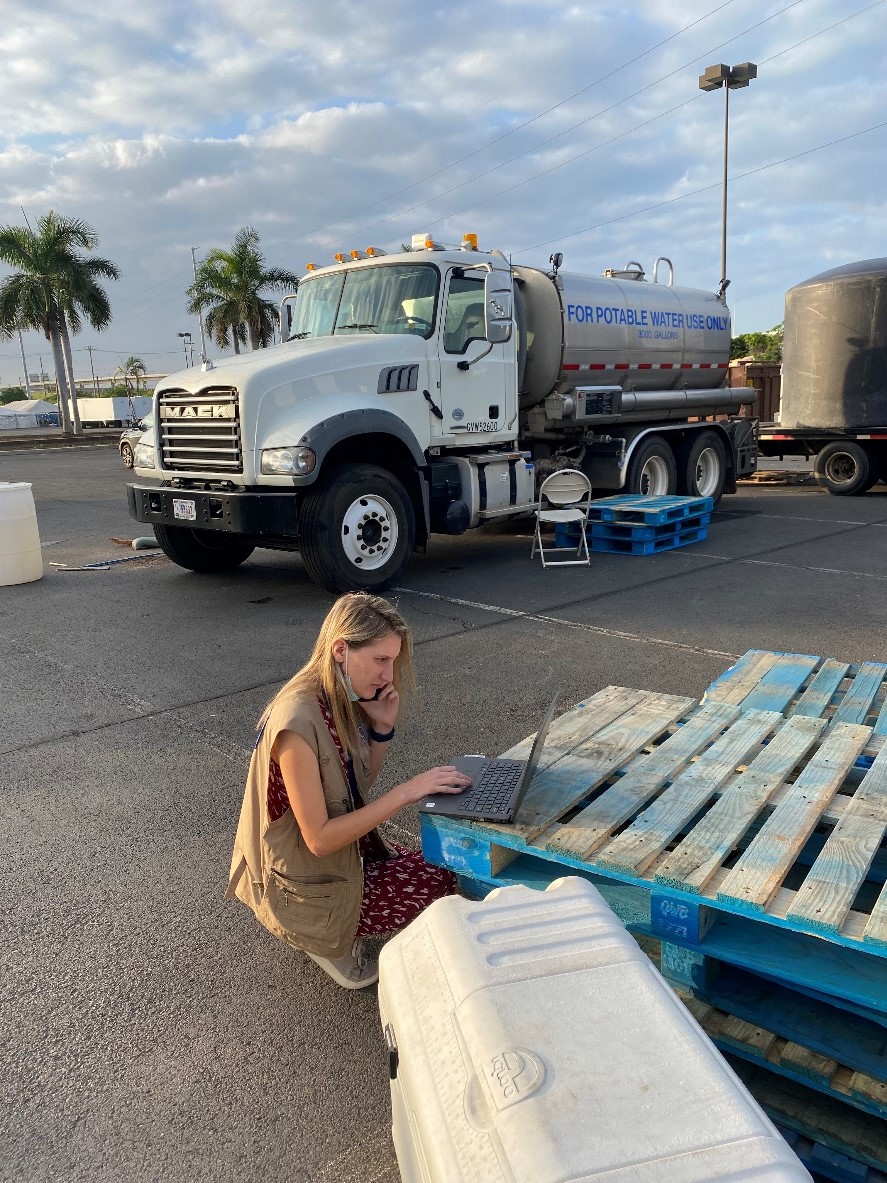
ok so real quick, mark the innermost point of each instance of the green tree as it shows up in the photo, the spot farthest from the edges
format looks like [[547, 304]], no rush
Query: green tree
[[759, 346], [132, 369], [52, 287], [227, 293], [12, 394]]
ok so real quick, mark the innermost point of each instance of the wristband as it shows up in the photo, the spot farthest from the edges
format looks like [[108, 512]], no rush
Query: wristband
[[381, 737]]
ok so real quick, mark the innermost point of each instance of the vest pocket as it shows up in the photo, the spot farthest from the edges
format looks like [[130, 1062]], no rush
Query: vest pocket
[[310, 908]]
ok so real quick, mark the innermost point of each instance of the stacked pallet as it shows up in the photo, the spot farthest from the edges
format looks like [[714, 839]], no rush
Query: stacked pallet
[[743, 837], [632, 524]]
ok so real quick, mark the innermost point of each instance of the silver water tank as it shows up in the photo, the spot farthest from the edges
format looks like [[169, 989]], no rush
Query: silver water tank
[[834, 361], [605, 331]]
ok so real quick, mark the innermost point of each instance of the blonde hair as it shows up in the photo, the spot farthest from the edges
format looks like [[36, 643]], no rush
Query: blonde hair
[[358, 619]]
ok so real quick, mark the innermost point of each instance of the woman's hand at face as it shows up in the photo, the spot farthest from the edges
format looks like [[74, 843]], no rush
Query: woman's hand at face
[[443, 779], [382, 712]]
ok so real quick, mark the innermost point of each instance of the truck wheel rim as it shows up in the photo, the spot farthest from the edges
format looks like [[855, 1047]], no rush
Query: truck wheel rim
[[708, 472], [840, 468], [654, 477], [369, 532]]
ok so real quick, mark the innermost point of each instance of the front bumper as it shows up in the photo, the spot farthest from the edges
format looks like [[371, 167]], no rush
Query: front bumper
[[256, 514]]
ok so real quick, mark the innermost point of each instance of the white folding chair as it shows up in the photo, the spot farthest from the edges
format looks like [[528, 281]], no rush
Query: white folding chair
[[564, 496]]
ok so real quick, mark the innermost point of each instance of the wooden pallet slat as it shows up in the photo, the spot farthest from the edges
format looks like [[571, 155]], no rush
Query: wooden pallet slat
[[825, 897], [733, 686], [652, 830], [691, 865], [781, 683], [818, 695], [644, 777], [876, 930], [571, 728], [858, 700], [761, 869], [571, 777]]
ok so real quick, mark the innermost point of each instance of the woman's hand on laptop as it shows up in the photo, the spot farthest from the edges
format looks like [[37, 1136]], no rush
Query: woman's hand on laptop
[[443, 779]]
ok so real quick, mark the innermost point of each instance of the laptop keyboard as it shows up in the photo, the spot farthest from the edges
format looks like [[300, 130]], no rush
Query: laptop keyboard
[[492, 793]]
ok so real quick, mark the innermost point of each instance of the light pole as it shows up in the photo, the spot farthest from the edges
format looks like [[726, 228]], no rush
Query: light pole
[[731, 78], [186, 341], [199, 315]]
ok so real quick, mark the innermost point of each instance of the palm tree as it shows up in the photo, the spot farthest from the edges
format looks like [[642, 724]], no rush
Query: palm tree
[[53, 284], [227, 293], [133, 368]]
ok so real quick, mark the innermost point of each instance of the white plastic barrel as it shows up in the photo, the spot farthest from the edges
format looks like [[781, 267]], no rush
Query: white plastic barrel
[[21, 560]]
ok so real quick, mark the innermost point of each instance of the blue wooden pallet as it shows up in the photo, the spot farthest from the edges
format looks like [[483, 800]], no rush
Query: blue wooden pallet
[[648, 511], [832, 1140], [640, 546], [735, 835], [801, 684], [758, 1043], [637, 533], [825, 1163]]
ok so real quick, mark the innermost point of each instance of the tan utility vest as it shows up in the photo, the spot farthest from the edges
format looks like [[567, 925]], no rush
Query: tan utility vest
[[311, 902]]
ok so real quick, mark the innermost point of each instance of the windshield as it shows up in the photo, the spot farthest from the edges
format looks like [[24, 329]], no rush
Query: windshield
[[398, 298]]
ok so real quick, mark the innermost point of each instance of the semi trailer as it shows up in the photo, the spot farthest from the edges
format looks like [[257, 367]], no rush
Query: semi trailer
[[833, 401], [427, 392]]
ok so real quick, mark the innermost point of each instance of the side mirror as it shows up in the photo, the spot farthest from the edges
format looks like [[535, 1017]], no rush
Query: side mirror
[[498, 307]]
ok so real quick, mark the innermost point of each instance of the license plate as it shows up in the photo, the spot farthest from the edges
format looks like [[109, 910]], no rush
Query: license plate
[[185, 509]]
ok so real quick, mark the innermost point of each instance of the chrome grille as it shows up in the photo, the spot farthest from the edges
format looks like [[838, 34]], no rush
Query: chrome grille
[[200, 432]]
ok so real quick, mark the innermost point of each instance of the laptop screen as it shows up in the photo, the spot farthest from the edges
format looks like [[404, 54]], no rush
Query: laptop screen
[[536, 751]]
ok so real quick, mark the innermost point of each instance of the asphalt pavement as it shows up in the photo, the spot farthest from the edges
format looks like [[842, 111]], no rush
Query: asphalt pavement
[[154, 1031]]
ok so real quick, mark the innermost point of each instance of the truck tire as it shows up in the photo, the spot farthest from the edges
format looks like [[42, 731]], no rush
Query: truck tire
[[702, 465], [126, 455], [357, 529], [651, 470], [206, 551], [844, 469]]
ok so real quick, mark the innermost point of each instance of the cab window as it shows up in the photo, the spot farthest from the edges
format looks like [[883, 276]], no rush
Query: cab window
[[464, 320]]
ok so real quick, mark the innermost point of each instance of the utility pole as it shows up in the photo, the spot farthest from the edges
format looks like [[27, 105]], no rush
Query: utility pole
[[95, 384], [199, 317], [21, 346]]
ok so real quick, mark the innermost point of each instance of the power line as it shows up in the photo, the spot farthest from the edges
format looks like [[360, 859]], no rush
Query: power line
[[512, 131], [478, 176], [596, 147], [704, 189]]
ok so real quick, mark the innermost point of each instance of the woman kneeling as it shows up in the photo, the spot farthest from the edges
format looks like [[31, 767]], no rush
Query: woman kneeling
[[308, 858]]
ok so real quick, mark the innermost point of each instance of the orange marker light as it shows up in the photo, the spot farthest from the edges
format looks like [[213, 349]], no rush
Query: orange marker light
[[470, 240], [339, 257], [310, 266], [429, 244], [371, 250]]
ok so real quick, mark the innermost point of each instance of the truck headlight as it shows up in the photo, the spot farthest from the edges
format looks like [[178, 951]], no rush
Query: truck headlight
[[288, 461], [143, 456]]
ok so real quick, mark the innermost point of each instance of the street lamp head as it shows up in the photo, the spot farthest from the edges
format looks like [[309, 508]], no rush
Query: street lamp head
[[742, 74], [731, 76], [714, 77]]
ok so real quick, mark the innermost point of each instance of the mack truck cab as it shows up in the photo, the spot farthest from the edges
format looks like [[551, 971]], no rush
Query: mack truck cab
[[409, 398]]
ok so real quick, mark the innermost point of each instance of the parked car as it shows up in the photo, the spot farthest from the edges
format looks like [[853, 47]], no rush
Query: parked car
[[130, 436]]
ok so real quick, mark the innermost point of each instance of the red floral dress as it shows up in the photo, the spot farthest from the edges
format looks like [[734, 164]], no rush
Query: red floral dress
[[395, 888]]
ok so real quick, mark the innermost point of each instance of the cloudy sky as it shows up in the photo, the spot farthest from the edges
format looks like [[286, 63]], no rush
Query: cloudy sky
[[542, 125]]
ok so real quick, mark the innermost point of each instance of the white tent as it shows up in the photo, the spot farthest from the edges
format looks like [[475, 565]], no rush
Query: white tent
[[30, 406]]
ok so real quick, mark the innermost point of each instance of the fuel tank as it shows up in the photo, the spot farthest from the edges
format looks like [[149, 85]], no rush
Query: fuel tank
[[834, 366], [610, 331]]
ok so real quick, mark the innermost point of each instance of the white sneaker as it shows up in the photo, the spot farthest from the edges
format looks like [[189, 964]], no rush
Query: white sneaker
[[352, 973]]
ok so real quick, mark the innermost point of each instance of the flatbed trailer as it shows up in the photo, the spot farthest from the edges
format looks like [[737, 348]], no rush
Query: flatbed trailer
[[846, 462]]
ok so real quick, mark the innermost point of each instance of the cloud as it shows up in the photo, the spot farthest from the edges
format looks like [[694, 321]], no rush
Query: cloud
[[342, 124]]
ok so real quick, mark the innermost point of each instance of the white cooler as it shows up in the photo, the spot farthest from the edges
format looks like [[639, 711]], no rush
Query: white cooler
[[531, 1041]]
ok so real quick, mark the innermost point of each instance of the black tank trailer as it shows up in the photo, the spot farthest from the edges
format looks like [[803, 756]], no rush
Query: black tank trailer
[[833, 404]]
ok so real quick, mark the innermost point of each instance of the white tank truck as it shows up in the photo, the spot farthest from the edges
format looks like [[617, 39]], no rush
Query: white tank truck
[[426, 392]]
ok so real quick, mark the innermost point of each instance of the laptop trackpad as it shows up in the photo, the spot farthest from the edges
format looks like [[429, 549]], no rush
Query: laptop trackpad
[[472, 766]]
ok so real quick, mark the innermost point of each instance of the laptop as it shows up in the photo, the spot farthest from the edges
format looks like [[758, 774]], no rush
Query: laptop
[[498, 786]]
